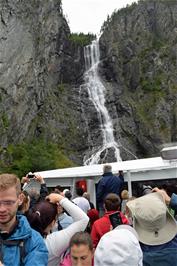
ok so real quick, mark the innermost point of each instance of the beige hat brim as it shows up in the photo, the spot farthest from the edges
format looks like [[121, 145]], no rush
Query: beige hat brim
[[165, 234]]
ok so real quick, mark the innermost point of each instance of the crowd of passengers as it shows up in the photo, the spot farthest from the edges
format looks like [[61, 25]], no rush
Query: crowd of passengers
[[39, 228]]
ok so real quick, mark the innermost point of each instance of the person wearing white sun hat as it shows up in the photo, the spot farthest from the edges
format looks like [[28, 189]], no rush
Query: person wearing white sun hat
[[156, 229], [119, 247]]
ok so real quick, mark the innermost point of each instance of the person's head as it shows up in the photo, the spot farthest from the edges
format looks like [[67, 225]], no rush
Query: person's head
[[23, 208], [112, 202], [10, 199], [10, 181], [151, 219], [79, 191], [67, 194], [42, 217], [86, 195], [33, 193], [120, 173], [124, 194], [58, 189], [127, 211], [119, 247], [81, 249], [107, 168], [93, 215]]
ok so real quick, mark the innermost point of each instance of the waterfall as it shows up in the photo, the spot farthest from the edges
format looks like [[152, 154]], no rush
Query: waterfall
[[96, 92]]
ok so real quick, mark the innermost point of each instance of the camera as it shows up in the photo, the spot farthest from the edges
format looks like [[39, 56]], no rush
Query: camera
[[30, 175], [146, 190]]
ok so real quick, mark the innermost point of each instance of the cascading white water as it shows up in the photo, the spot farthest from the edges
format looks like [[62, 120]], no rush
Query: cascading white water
[[96, 92]]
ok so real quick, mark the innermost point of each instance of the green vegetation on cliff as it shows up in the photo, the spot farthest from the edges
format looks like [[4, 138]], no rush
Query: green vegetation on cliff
[[34, 156], [81, 39]]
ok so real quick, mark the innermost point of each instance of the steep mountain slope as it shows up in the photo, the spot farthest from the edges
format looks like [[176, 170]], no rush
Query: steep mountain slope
[[40, 66], [139, 68]]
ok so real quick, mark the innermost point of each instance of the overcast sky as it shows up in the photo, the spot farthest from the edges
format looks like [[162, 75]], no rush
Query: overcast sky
[[89, 15]]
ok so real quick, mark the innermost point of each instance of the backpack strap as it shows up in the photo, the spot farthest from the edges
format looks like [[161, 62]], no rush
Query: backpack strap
[[1, 253], [19, 243], [59, 225], [22, 252]]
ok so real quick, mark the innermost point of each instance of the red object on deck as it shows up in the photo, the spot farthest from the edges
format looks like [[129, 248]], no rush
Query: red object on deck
[[82, 184]]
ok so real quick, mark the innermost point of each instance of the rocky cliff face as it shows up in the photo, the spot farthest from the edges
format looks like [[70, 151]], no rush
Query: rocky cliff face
[[39, 70], [139, 68]]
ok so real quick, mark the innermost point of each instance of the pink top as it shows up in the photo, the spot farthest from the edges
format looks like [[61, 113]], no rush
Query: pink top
[[67, 261]]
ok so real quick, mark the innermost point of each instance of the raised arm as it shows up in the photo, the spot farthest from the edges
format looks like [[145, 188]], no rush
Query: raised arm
[[58, 242], [172, 202]]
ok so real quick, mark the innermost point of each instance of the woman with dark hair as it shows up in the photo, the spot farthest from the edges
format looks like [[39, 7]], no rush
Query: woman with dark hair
[[42, 218]]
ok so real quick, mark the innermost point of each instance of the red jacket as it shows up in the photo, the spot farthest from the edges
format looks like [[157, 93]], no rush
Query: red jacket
[[102, 226]]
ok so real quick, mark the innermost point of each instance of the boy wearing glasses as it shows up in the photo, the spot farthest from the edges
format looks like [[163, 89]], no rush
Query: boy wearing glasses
[[15, 232]]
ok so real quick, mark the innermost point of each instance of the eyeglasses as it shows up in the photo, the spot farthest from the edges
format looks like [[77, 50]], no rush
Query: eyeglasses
[[7, 203]]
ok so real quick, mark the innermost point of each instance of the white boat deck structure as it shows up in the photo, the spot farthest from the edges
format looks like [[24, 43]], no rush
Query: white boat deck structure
[[135, 170]]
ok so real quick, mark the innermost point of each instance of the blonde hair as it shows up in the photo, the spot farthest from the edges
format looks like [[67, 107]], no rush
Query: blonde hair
[[10, 180], [124, 194], [25, 202]]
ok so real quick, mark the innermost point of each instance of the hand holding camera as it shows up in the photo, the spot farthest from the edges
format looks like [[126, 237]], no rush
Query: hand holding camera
[[38, 178], [25, 179], [32, 184], [30, 175]]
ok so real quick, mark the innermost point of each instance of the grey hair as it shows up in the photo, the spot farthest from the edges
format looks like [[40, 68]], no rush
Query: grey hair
[[107, 168]]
